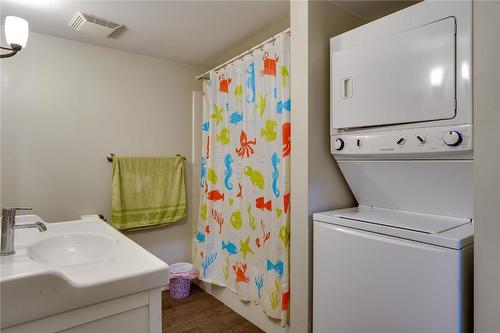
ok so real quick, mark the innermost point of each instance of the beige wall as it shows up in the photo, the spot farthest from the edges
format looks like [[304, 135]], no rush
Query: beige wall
[[65, 105], [486, 26], [317, 183]]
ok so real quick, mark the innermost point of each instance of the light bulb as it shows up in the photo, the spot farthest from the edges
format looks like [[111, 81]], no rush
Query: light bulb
[[16, 31]]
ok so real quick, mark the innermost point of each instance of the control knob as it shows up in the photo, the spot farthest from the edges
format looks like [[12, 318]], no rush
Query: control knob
[[339, 144], [421, 139], [452, 138]]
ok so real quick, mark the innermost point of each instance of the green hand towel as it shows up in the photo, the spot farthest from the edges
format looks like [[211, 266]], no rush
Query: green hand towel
[[147, 191]]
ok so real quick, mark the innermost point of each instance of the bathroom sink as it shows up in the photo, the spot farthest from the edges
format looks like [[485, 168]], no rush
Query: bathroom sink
[[72, 249], [72, 265]]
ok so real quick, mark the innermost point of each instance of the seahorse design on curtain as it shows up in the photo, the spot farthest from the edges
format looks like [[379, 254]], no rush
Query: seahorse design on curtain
[[242, 238]]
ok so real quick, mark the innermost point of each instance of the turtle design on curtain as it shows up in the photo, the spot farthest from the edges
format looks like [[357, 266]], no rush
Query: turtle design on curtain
[[242, 238]]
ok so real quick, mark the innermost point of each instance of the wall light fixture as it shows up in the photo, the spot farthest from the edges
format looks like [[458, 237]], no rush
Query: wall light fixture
[[16, 35]]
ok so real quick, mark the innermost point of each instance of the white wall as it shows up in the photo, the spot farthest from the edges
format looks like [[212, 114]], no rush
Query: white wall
[[65, 105], [252, 40], [486, 26], [300, 231], [197, 137], [317, 183]]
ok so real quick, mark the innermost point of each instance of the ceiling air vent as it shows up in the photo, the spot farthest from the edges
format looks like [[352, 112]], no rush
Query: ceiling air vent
[[93, 25]]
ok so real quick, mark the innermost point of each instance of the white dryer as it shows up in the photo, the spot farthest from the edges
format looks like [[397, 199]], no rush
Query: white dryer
[[401, 133]]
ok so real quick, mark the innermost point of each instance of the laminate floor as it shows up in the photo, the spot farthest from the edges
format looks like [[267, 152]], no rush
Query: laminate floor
[[200, 312]]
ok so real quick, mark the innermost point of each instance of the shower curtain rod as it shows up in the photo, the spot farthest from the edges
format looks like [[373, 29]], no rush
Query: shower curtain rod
[[206, 75]]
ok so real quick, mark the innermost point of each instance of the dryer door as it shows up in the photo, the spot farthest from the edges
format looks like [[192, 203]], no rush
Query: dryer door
[[403, 78]]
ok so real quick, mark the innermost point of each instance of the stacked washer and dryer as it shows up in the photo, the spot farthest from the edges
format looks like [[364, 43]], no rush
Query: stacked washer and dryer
[[401, 132]]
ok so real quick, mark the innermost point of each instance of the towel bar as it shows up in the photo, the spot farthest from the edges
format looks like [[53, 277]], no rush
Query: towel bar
[[109, 157]]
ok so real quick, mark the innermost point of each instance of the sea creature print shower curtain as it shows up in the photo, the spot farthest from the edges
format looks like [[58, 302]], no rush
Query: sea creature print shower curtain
[[242, 238]]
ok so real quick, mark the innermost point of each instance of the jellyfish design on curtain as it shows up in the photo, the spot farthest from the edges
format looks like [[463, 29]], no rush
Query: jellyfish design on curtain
[[242, 237]]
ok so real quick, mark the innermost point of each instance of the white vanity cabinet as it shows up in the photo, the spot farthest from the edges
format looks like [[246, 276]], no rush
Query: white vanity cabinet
[[137, 313]]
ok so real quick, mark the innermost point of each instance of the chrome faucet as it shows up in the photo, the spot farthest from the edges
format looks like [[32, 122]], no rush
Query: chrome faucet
[[8, 227]]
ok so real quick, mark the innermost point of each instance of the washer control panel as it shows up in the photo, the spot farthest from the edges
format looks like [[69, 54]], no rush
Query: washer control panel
[[429, 140]]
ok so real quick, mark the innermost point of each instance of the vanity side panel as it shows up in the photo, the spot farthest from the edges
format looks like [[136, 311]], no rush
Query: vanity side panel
[[133, 321]]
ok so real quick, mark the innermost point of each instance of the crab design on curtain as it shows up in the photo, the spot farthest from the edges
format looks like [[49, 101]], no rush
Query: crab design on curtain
[[242, 238]]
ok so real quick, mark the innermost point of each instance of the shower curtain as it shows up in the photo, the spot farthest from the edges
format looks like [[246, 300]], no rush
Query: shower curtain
[[242, 238]]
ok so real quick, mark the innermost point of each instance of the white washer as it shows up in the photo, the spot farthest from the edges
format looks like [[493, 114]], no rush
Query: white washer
[[389, 271], [402, 134]]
